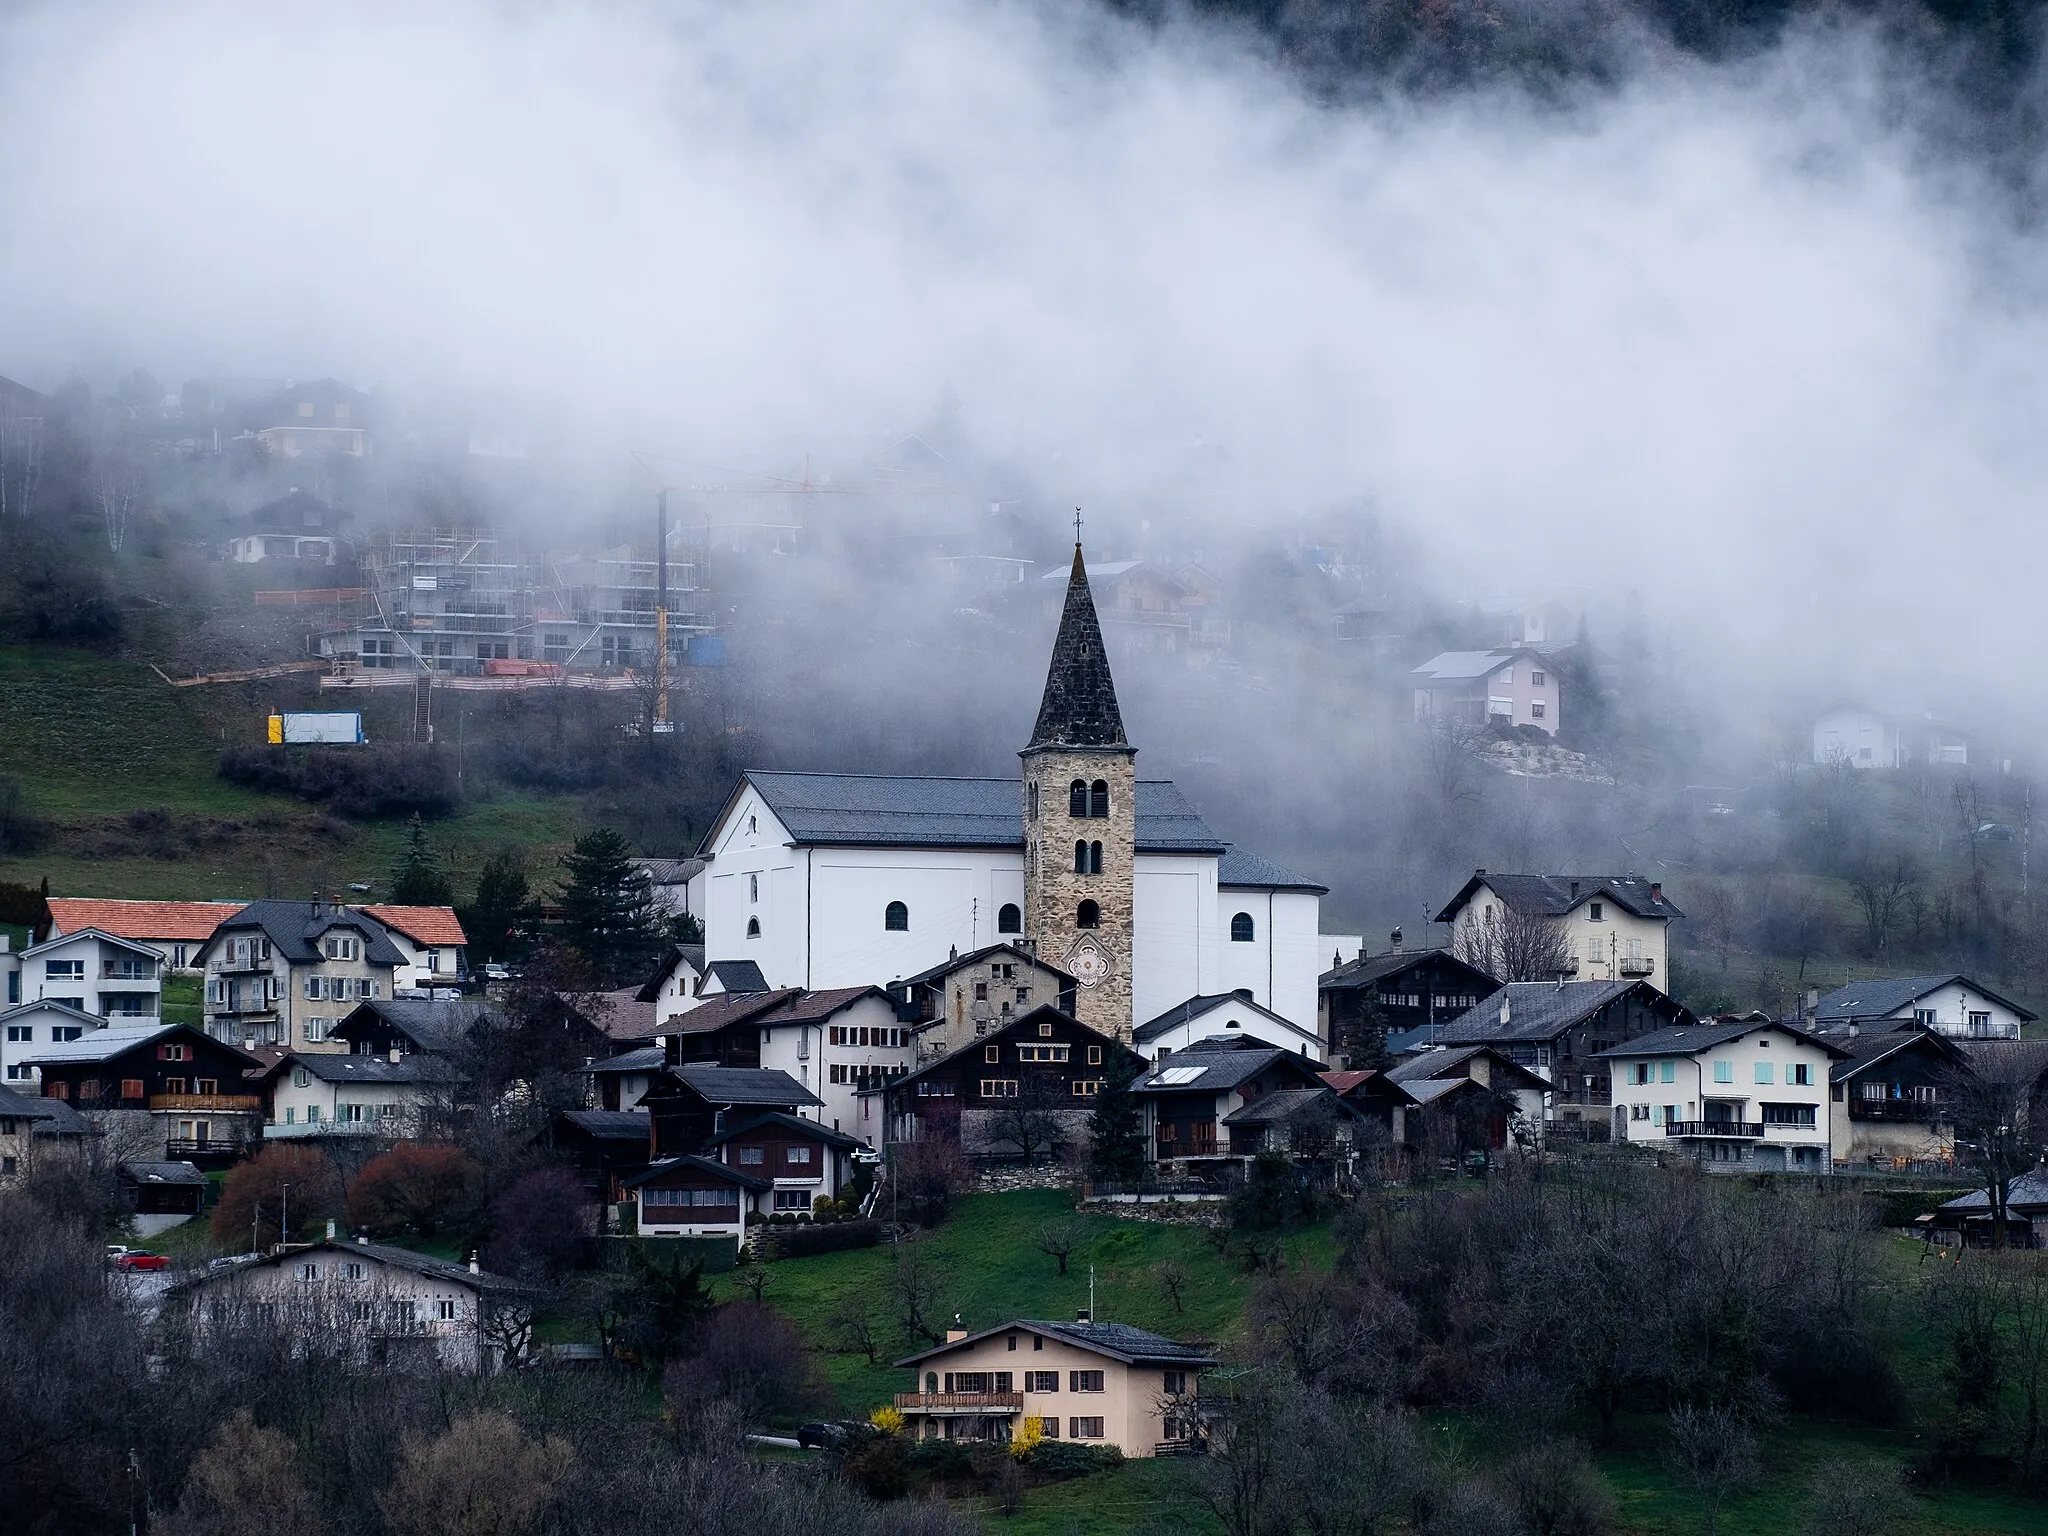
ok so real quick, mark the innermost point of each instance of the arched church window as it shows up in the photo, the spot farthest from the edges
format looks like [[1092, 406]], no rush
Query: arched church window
[[1094, 859], [1088, 915], [753, 927], [896, 917], [1098, 798], [1242, 929], [1080, 858], [1009, 919], [1077, 798]]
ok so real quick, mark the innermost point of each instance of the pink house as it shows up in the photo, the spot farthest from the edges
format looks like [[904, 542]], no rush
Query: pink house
[[1513, 687]]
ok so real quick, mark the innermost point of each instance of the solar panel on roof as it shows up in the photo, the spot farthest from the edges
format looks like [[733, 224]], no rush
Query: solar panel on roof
[[1173, 1077]]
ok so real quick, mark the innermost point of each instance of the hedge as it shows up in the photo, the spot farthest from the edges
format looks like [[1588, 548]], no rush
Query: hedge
[[805, 1239]]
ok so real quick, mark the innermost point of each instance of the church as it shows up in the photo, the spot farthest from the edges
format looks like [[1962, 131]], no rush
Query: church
[[835, 880]]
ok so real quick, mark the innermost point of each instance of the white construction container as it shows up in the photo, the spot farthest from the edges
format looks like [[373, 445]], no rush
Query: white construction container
[[300, 727]]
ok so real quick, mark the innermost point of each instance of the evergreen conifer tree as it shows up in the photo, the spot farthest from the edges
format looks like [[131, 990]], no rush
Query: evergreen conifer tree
[[418, 880], [608, 913], [1116, 1128], [500, 906]]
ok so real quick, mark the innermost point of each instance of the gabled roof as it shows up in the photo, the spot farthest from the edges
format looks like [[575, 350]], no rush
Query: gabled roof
[[691, 955], [1201, 1007], [1461, 666], [1543, 1010], [118, 1039], [1371, 968], [163, 1173], [875, 811], [645, 1058], [815, 1007], [423, 925], [1871, 1050], [136, 945], [1015, 1026], [1241, 869], [725, 1010], [767, 1086], [623, 1014], [184, 922], [612, 1124], [671, 871], [50, 1117], [43, 1004], [810, 1130], [1277, 1108], [977, 957], [296, 511], [443, 1270], [1690, 1039], [1118, 1341], [294, 929], [2006, 1061], [442, 1025], [1078, 708], [1443, 1064], [1882, 997], [2028, 1189], [355, 1067], [1215, 1071], [1557, 895], [735, 975], [669, 1165]]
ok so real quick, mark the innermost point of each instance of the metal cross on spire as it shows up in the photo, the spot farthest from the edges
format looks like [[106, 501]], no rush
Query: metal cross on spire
[[1077, 527]]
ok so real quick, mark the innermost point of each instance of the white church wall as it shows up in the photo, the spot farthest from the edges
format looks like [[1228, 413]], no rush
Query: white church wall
[[744, 888], [1246, 965], [1173, 939], [954, 897], [1297, 955]]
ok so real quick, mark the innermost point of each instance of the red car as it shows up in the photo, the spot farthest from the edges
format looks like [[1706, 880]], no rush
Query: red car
[[135, 1259]]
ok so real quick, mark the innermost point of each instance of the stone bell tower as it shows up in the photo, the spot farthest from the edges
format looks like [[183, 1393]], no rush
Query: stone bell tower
[[1081, 820]]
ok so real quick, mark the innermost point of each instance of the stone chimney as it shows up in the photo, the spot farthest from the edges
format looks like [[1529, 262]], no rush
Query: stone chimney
[[1084, 1316], [957, 1331], [394, 1055], [1394, 942], [472, 1265], [1504, 1006]]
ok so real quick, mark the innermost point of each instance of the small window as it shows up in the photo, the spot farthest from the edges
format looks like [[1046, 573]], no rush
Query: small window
[[1009, 919], [752, 1154], [1596, 912], [1724, 1071], [1098, 798], [1080, 858], [753, 927], [1094, 1055], [1088, 915], [799, 1154], [1764, 1074], [753, 887], [1077, 798], [1242, 929], [1084, 1381], [1668, 1072], [1535, 709], [991, 1053], [896, 917], [1041, 1381], [1045, 1030], [1031, 800], [1536, 679]]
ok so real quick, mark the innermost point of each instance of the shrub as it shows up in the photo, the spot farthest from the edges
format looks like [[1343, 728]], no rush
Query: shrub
[[1069, 1458], [415, 1187], [881, 1468], [947, 1460], [254, 1196], [930, 1172], [803, 1240], [539, 1229], [889, 1420], [1557, 1492], [1030, 1434], [352, 781], [482, 1476], [751, 1356]]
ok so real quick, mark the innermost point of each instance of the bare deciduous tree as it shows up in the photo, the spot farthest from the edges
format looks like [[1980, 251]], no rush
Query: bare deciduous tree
[[1884, 884], [1056, 1240], [1716, 1452], [117, 485], [1511, 944]]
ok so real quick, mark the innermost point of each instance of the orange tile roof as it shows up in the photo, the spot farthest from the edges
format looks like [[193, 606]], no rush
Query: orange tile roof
[[423, 925], [178, 921]]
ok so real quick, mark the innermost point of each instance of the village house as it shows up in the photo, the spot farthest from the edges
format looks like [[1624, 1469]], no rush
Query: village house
[[1088, 1382], [1479, 688], [1199, 1102], [1738, 1095], [161, 1195], [1396, 1000], [605, 1147], [203, 1100], [693, 1102], [1143, 608], [1969, 1220], [692, 1196], [621, 1081], [1476, 1092], [391, 1097], [372, 1302], [29, 1126], [321, 418], [432, 947], [1023, 1089], [88, 970], [25, 1030], [1861, 737], [176, 930], [1232, 1015], [1608, 927], [283, 973], [963, 997], [1558, 1030], [673, 988], [1950, 1004], [296, 526], [1890, 1098]]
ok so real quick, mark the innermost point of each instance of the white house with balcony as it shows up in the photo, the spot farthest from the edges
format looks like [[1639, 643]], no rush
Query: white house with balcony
[[316, 1093], [28, 1029], [1613, 927], [1741, 1095], [1505, 687], [91, 971], [1950, 1004]]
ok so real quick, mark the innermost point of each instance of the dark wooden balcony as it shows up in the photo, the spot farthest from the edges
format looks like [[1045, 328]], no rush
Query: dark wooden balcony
[[1751, 1130], [1908, 1111], [207, 1103], [960, 1402]]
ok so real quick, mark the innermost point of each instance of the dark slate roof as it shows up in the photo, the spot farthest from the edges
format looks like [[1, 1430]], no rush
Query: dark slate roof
[[445, 1270], [1553, 896], [745, 1085], [810, 1130], [1079, 705], [2028, 1189], [1199, 1007], [52, 1117], [1273, 1108], [2006, 1061], [726, 1009], [672, 871], [1869, 1050], [163, 1173], [417, 1067], [1119, 1341], [976, 957], [670, 1165], [294, 512], [647, 1058], [610, 1124], [1218, 1070], [886, 811], [1687, 1039], [691, 955], [738, 975], [115, 1040], [1430, 1064], [1245, 870], [1024, 1024], [1371, 968], [294, 929], [442, 1026], [1882, 997], [1538, 1010]]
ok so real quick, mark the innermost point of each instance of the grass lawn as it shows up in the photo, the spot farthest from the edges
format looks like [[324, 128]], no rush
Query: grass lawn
[[993, 1272]]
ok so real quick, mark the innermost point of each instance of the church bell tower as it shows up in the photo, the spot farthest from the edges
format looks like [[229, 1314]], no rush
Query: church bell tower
[[1081, 820]]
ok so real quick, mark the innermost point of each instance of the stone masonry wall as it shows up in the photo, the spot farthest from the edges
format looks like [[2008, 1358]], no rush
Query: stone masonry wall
[[1053, 892]]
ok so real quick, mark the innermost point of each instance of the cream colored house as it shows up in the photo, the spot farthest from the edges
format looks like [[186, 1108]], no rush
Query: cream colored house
[[1741, 1095], [1096, 1383], [1612, 927]]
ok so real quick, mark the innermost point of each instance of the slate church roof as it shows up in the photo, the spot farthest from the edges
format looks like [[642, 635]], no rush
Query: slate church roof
[[1079, 708]]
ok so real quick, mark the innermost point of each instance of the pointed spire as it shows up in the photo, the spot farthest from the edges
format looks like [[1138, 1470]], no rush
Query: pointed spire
[[1079, 708]]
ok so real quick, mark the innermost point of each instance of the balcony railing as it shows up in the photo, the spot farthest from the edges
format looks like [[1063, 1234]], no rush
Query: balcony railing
[[1752, 1129], [203, 1146], [207, 1103], [1911, 1111], [960, 1402], [1640, 965]]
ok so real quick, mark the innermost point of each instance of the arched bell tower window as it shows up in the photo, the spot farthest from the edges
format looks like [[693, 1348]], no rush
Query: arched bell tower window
[[1087, 858], [1031, 800], [1088, 915], [753, 927], [896, 917], [1077, 798], [1098, 798], [1009, 919], [1242, 930]]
